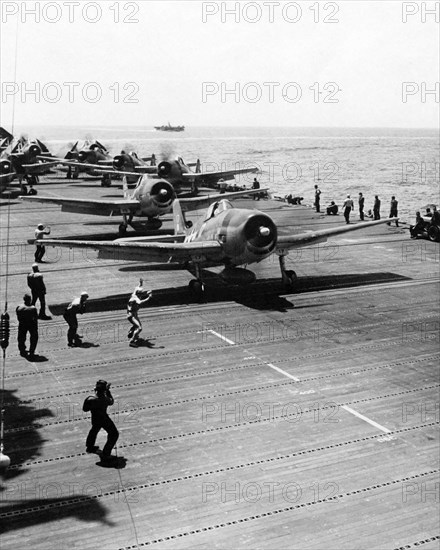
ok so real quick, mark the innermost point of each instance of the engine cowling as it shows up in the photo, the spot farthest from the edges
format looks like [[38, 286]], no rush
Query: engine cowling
[[83, 156], [122, 161], [247, 237], [5, 167], [163, 193], [32, 150]]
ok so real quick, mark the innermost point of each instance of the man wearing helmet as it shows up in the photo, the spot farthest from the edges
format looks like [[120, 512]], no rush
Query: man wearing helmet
[[97, 405], [134, 303], [78, 305], [40, 249]]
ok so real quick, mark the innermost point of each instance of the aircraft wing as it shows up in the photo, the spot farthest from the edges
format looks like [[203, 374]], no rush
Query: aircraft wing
[[44, 164], [84, 206], [225, 174], [313, 237], [150, 252], [202, 201]]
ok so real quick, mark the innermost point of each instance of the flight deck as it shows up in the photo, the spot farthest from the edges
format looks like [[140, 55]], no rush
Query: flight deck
[[258, 418]]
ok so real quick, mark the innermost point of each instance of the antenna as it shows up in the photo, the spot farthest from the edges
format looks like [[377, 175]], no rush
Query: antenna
[[15, 76]]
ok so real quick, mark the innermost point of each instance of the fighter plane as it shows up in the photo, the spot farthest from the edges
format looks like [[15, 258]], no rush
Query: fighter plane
[[226, 236], [91, 157], [179, 174], [7, 174], [151, 198], [24, 157]]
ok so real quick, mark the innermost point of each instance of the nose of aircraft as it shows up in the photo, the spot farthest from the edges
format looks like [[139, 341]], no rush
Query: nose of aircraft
[[260, 233], [34, 150], [163, 192], [118, 162], [5, 167]]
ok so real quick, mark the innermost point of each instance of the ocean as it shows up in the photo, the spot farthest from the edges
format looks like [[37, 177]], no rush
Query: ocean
[[382, 161]]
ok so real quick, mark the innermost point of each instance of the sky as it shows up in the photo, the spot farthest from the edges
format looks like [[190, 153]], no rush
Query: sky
[[268, 63]]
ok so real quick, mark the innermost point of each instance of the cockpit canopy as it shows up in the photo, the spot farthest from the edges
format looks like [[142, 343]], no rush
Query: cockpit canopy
[[217, 207]]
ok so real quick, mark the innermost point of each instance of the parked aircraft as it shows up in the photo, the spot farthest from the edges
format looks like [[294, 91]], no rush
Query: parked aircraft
[[24, 157], [7, 174], [151, 198], [181, 175], [224, 236]]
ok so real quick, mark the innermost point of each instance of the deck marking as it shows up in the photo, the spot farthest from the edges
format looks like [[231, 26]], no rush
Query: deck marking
[[283, 372], [362, 417], [222, 337], [256, 357]]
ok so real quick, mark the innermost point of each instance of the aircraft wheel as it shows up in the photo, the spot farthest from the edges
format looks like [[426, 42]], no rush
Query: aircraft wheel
[[197, 288], [188, 224], [434, 233], [290, 279], [122, 230]]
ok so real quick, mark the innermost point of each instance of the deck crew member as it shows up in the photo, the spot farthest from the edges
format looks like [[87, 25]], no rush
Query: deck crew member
[[332, 209], [393, 210], [376, 207], [27, 322], [97, 405], [38, 289], [222, 185], [317, 198], [361, 201], [348, 206], [418, 227], [134, 303], [78, 305], [256, 185], [40, 249], [435, 220]]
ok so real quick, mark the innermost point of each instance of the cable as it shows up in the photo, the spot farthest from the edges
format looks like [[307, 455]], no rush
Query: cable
[[5, 461]]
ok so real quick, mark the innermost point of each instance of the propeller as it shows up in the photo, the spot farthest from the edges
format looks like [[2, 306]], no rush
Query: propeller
[[260, 233], [5, 167], [163, 192]]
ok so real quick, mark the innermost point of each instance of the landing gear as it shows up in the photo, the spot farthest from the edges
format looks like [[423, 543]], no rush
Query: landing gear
[[122, 230], [23, 189], [197, 286], [75, 175], [288, 277], [434, 233], [106, 180]]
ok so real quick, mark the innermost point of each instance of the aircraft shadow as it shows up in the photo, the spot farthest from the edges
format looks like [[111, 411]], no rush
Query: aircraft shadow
[[87, 509], [264, 294], [23, 446]]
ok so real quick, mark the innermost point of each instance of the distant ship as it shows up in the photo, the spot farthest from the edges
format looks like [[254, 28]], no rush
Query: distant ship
[[169, 128]]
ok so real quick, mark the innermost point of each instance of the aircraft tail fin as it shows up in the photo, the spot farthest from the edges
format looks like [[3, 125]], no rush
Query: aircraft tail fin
[[179, 219]]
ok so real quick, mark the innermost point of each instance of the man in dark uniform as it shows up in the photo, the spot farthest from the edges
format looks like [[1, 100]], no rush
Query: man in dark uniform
[[27, 322], [78, 305], [361, 207], [97, 405], [332, 209], [38, 288], [393, 210], [376, 207], [317, 198], [256, 185]]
